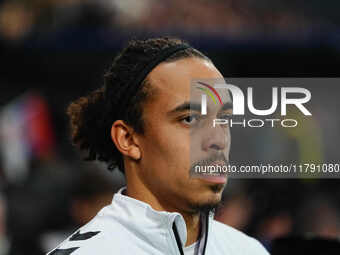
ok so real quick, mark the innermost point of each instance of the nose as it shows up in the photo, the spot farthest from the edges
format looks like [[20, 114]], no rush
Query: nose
[[217, 139]]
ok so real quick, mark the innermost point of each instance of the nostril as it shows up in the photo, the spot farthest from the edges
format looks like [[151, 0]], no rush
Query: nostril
[[215, 147]]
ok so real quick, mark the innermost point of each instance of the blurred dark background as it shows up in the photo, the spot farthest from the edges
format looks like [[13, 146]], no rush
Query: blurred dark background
[[53, 51]]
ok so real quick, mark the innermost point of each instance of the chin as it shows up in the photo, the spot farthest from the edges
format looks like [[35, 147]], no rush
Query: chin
[[205, 206], [207, 202]]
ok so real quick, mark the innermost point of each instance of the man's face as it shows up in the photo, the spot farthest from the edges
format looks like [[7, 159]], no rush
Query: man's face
[[175, 138]]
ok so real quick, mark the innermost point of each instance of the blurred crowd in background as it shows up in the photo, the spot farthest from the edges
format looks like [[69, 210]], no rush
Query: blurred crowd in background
[[22, 20], [53, 51]]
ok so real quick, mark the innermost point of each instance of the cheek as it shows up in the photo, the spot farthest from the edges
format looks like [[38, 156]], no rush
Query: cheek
[[167, 146], [176, 143]]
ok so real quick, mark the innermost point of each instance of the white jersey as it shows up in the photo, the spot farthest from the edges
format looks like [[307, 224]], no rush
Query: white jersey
[[128, 226]]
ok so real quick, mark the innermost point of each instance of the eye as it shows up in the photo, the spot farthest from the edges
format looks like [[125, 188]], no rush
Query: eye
[[190, 120], [225, 116]]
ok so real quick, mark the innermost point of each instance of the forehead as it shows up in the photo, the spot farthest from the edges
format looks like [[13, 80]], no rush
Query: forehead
[[172, 80]]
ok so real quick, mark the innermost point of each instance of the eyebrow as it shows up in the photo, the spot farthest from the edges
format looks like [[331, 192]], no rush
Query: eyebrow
[[187, 106]]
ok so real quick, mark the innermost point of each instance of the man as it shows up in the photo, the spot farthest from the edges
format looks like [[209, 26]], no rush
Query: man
[[141, 121]]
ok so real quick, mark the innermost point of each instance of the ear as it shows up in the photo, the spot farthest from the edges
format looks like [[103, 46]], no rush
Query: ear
[[125, 140]]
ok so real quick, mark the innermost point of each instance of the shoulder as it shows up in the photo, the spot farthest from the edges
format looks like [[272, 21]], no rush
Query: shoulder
[[83, 241], [96, 237], [236, 239]]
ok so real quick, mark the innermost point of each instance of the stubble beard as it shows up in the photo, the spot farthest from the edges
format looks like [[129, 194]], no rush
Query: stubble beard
[[208, 207]]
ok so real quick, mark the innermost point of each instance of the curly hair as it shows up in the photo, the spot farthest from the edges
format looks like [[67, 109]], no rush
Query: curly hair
[[91, 117]]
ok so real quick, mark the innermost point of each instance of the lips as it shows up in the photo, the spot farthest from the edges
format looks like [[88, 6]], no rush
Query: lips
[[214, 178]]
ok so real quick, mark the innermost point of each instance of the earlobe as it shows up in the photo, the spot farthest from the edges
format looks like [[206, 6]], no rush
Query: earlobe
[[122, 136], [135, 153]]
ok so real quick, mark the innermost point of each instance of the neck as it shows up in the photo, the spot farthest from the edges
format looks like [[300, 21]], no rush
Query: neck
[[193, 224], [137, 190]]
